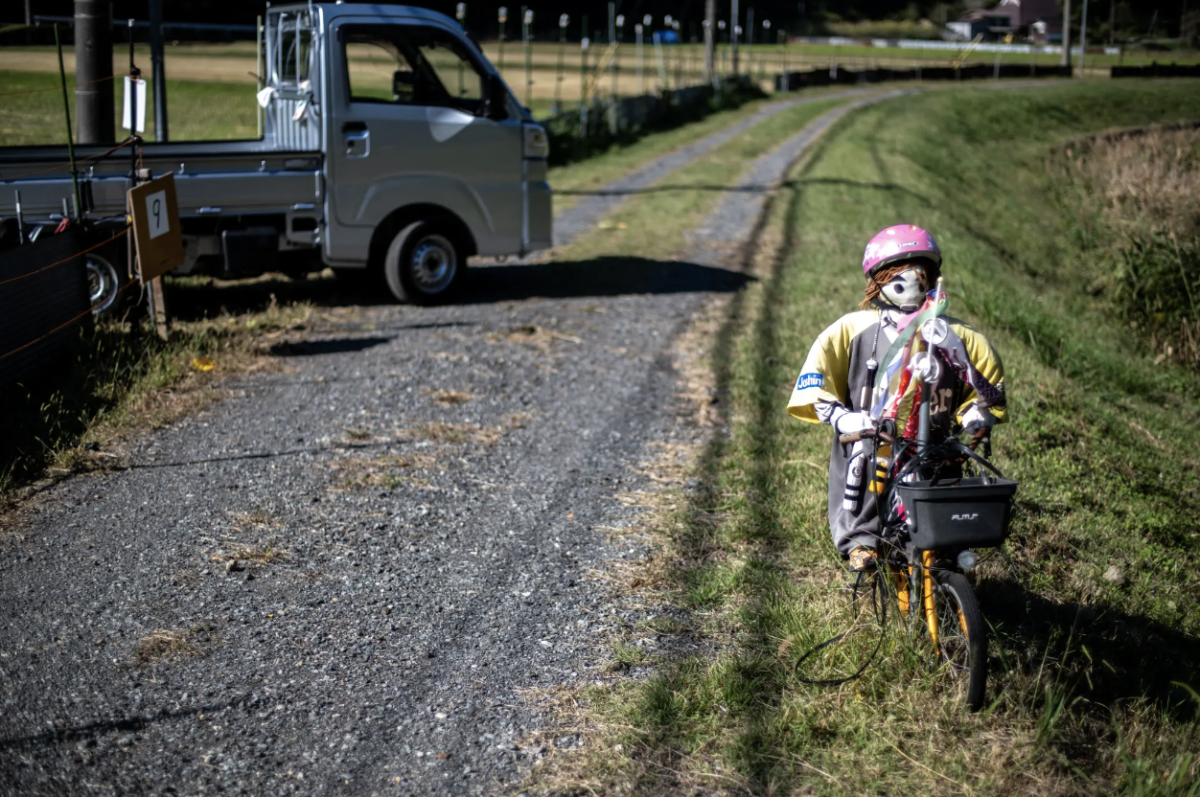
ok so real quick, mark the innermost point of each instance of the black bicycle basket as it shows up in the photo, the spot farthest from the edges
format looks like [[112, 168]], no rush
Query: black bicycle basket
[[969, 512]]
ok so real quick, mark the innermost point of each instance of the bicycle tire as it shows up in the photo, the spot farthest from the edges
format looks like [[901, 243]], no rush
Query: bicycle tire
[[962, 645]]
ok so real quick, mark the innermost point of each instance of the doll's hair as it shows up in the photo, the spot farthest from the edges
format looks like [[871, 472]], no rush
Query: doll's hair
[[928, 270]]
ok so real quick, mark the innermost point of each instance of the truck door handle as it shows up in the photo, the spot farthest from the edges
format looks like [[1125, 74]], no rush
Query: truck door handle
[[357, 139]]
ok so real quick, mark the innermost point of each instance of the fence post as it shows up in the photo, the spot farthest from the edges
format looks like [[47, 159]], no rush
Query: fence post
[[563, 21], [583, 70], [637, 30], [526, 24], [502, 14]]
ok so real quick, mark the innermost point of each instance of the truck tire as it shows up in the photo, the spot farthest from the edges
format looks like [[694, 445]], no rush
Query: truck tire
[[104, 285], [423, 264]]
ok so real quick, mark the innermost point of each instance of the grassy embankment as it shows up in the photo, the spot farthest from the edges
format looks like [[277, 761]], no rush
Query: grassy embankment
[[119, 382], [1092, 602]]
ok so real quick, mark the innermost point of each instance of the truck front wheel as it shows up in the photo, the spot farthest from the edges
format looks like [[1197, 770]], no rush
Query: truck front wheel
[[423, 264]]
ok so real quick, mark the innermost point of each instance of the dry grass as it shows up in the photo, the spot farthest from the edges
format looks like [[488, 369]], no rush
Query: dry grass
[[448, 397], [1139, 201], [249, 553], [386, 472], [533, 335], [258, 519], [459, 433], [172, 642], [1152, 178]]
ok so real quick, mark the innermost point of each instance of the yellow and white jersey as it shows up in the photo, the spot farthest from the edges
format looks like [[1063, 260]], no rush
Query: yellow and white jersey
[[836, 370]]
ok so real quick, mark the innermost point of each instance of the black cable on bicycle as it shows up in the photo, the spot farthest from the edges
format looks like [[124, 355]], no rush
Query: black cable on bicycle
[[834, 640]]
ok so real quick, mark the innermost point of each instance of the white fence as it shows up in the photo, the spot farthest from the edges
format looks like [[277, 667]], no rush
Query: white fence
[[930, 44]]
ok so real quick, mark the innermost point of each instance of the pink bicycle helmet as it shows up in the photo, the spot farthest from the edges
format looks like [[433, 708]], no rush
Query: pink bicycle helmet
[[899, 242]]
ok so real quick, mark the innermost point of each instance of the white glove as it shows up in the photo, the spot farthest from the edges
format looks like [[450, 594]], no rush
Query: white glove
[[977, 418], [846, 422]]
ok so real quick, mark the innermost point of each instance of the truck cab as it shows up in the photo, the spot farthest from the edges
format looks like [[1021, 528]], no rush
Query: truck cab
[[428, 157]]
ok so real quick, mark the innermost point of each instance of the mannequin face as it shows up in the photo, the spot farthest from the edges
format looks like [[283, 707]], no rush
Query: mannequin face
[[905, 290]]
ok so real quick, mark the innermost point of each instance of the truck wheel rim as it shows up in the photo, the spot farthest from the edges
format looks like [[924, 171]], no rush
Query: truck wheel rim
[[433, 264], [102, 283]]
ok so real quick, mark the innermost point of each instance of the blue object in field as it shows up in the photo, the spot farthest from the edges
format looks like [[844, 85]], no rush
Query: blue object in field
[[666, 36]]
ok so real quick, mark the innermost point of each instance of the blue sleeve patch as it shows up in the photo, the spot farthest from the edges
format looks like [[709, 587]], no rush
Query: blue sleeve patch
[[810, 380]]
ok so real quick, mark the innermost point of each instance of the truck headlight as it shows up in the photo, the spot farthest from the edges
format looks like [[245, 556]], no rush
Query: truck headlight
[[537, 143]]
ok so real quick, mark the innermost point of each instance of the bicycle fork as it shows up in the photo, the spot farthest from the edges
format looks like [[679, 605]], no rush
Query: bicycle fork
[[927, 562]]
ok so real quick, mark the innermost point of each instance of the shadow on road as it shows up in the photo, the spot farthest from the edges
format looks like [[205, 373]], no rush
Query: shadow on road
[[598, 277], [308, 348], [123, 725], [192, 299]]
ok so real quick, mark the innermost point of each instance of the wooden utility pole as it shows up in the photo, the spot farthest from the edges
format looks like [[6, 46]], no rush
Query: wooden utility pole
[[710, 26], [93, 72], [1066, 33]]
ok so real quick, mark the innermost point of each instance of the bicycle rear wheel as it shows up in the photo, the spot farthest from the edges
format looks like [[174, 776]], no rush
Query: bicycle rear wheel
[[961, 635]]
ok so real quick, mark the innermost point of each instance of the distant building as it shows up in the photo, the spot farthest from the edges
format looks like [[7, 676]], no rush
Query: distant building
[[1011, 19]]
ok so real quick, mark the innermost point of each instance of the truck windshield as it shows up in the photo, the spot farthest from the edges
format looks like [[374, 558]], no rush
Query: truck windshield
[[411, 65]]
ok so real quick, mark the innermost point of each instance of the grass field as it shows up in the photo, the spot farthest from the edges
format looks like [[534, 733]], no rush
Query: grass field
[[198, 111], [681, 65], [1092, 603]]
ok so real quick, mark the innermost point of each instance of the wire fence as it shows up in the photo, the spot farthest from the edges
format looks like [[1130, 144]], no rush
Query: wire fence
[[46, 301]]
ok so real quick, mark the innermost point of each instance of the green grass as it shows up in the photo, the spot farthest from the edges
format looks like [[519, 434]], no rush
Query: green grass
[[1092, 686], [198, 111]]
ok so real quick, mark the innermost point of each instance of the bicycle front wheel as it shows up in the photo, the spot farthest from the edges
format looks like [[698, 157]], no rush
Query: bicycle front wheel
[[961, 635]]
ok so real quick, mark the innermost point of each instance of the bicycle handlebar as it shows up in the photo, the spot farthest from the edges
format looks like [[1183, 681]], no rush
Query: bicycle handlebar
[[981, 436], [865, 434]]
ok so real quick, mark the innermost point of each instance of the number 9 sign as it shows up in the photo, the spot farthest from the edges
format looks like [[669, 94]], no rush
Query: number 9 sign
[[155, 216]]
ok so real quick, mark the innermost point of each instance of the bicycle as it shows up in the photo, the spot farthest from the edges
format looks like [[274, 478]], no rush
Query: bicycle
[[932, 516]]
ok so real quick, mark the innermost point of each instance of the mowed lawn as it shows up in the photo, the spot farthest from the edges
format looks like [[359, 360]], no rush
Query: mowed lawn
[[198, 110], [1093, 602]]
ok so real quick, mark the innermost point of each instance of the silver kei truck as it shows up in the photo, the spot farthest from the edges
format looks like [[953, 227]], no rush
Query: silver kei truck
[[391, 148]]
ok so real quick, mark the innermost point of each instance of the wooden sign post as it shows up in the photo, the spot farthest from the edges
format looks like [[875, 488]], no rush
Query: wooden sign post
[[154, 213]]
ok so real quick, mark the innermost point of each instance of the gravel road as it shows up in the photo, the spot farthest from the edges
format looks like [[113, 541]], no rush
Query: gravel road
[[338, 579]]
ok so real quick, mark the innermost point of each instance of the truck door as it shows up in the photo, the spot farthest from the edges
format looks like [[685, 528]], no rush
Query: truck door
[[407, 129]]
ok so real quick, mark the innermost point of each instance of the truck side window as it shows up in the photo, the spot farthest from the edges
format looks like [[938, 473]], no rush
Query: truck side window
[[411, 65]]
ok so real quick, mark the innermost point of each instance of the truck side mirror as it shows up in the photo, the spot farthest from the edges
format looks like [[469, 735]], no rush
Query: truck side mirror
[[404, 86], [495, 98]]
